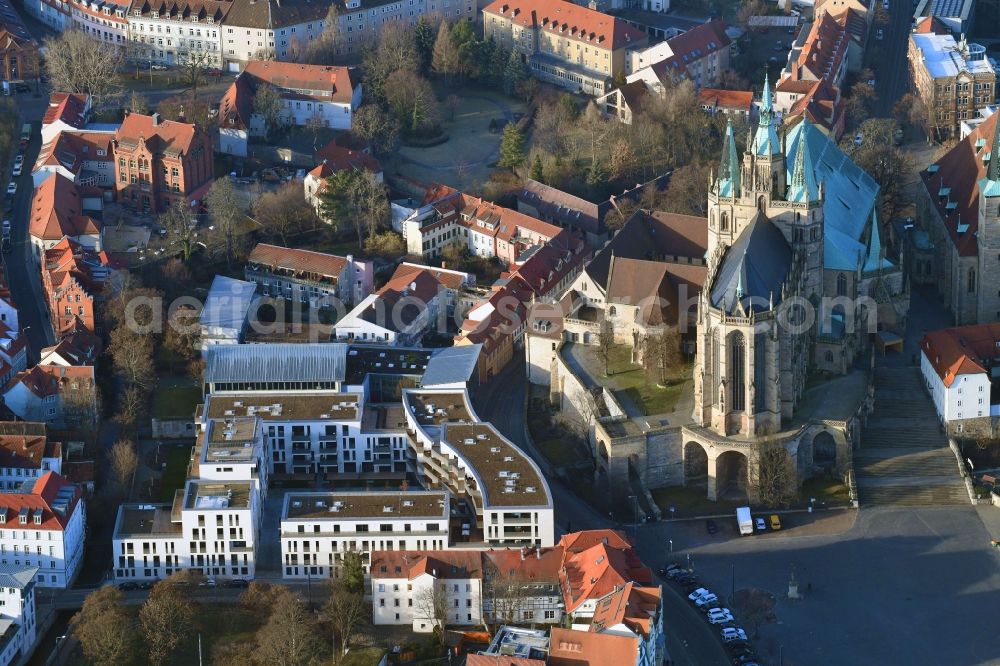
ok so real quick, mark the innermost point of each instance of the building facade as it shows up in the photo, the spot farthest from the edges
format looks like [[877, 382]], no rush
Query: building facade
[[321, 280], [566, 44], [102, 20], [160, 162], [17, 610], [188, 34], [954, 79]]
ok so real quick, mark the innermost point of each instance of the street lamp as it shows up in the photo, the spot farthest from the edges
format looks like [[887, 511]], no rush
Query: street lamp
[[671, 542]]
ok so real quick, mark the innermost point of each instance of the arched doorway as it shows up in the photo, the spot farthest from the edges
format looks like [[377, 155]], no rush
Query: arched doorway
[[824, 450], [731, 476], [695, 465]]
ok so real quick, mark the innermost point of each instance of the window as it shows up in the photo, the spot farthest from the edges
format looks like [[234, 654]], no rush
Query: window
[[841, 285], [972, 280]]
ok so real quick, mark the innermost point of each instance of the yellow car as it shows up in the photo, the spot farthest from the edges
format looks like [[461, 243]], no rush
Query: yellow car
[[775, 522]]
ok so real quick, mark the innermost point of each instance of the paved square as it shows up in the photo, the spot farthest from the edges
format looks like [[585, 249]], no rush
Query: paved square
[[902, 586]]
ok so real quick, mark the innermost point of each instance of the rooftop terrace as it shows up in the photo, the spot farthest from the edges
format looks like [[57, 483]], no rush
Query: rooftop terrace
[[287, 406], [437, 408], [348, 505], [145, 520], [508, 477], [217, 495]]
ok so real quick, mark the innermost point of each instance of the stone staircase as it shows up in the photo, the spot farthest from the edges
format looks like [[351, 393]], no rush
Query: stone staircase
[[904, 458]]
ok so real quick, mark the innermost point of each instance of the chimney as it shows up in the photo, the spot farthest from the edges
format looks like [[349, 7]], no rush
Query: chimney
[[156, 119], [522, 554]]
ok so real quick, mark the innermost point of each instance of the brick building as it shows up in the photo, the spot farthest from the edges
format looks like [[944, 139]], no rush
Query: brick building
[[161, 161], [72, 277]]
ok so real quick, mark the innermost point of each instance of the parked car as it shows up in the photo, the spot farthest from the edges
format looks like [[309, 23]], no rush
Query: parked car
[[761, 526], [16, 172], [19, 160], [734, 634], [858, 139], [879, 35], [12, 188], [668, 569], [720, 616], [705, 601], [871, 82], [159, 68], [208, 582], [125, 587], [700, 593], [711, 527], [6, 226], [237, 582], [885, 5], [775, 522]]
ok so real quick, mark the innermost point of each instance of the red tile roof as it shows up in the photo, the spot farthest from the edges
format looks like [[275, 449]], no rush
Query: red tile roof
[[569, 21], [583, 648], [292, 79], [632, 605], [528, 564], [448, 278], [67, 107], [580, 541], [441, 564], [597, 571], [57, 211], [700, 41], [26, 451], [824, 51], [162, 136], [41, 497], [46, 380], [960, 169], [334, 157], [500, 660], [855, 23], [741, 100], [964, 350], [821, 104], [297, 260], [931, 24]]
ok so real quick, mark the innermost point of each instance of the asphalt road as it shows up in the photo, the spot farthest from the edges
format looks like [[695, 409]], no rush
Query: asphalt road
[[690, 639], [891, 71], [23, 275]]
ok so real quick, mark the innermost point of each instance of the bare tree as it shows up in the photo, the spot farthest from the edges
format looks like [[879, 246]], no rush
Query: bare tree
[[165, 620], [660, 352], [181, 228], [284, 211], [324, 51], [192, 64], [75, 62], [372, 202], [225, 206], [344, 611], [376, 127], [104, 628], [131, 407], [504, 595], [124, 460], [771, 474], [431, 604], [137, 103], [606, 340], [267, 103], [78, 401], [132, 354], [290, 637]]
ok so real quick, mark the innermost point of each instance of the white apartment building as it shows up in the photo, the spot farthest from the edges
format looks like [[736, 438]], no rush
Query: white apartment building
[[17, 613], [500, 485], [317, 528], [42, 525], [408, 586], [173, 34], [213, 524], [53, 13], [103, 20], [958, 366]]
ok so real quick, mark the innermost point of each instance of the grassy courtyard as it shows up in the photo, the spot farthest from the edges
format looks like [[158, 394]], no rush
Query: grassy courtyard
[[176, 472], [176, 398], [631, 379]]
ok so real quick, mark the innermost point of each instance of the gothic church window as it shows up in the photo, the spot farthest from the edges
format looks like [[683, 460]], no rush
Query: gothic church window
[[841, 285], [724, 225], [972, 280], [737, 372]]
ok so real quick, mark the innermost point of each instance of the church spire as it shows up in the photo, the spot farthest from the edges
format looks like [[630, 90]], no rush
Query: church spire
[[729, 167], [765, 140], [803, 187]]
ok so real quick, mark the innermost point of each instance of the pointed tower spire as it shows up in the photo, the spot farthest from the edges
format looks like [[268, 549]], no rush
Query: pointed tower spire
[[729, 166], [765, 102], [803, 187], [765, 140]]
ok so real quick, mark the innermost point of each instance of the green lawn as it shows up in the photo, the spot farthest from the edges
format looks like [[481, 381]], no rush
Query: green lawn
[[689, 501], [363, 657], [176, 472], [176, 398], [824, 490], [632, 380]]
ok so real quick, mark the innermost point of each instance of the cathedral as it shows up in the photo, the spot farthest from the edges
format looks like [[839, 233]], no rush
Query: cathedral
[[797, 285]]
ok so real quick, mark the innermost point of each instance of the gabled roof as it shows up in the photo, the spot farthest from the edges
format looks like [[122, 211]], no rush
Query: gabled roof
[[822, 55], [440, 564], [48, 380], [16, 576], [69, 108], [184, 9], [525, 564], [563, 206], [271, 14], [654, 286], [57, 211], [855, 23], [569, 21], [161, 136], [592, 568], [716, 98], [700, 41], [954, 179], [451, 279], [50, 496], [963, 350], [26, 451], [754, 268], [335, 157], [931, 24], [500, 660], [297, 260], [332, 84], [631, 605]]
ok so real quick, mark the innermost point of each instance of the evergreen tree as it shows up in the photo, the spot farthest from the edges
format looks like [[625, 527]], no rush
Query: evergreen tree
[[467, 49], [444, 59], [511, 148], [423, 34], [595, 174], [514, 73], [537, 170]]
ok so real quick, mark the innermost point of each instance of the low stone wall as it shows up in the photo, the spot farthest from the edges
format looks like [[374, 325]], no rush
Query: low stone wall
[[172, 428]]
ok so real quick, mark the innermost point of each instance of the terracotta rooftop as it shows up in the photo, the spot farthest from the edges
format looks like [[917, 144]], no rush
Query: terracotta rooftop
[[48, 380], [50, 497], [57, 211], [441, 564], [597, 571], [334, 157], [632, 605], [27, 450], [583, 648], [298, 261], [952, 185], [964, 350], [66, 107], [323, 82], [700, 41], [717, 98], [569, 21], [931, 24], [161, 136], [824, 50], [446, 277]]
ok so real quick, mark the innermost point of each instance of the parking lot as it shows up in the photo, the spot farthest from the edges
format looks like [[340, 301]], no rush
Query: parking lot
[[900, 586]]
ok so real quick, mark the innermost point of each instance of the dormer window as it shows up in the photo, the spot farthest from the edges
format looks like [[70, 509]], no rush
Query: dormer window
[[156, 14]]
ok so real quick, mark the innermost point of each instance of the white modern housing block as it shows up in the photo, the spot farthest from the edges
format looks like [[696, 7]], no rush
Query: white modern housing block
[[317, 528], [42, 525], [17, 613]]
